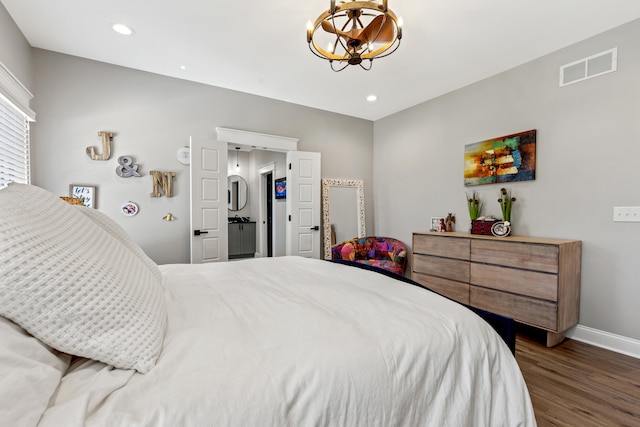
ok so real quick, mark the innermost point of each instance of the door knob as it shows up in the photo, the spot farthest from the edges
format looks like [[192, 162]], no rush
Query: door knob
[[317, 227], [198, 232]]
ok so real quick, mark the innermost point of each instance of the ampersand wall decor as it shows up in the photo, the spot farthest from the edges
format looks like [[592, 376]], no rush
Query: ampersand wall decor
[[106, 147], [127, 168]]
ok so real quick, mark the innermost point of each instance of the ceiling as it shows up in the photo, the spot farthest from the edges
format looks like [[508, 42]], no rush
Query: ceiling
[[260, 47]]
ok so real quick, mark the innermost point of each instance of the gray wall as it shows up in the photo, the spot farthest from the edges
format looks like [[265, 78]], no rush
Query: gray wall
[[15, 51], [153, 116], [588, 150]]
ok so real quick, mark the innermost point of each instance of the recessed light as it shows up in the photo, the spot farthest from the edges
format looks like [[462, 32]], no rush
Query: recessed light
[[183, 67], [123, 29], [372, 98]]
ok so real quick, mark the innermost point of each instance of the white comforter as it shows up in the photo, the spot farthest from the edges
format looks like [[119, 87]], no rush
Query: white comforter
[[297, 342]]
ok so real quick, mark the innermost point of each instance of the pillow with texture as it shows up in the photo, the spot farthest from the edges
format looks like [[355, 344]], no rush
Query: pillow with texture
[[30, 372], [115, 230], [71, 284]]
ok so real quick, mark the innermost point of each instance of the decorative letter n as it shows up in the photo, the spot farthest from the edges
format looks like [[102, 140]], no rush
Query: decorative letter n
[[162, 180]]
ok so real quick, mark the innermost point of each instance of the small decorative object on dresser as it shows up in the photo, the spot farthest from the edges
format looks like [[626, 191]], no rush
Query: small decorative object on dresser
[[474, 204], [535, 281], [483, 225], [506, 202], [435, 223], [449, 221], [501, 229]]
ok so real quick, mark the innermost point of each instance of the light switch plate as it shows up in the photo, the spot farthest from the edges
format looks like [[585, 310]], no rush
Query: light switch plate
[[626, 214]]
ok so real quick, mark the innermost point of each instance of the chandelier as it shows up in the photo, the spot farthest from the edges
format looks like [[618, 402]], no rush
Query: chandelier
[[354, 33]]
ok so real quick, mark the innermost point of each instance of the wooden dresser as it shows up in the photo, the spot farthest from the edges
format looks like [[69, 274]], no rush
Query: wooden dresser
[[535, 281]]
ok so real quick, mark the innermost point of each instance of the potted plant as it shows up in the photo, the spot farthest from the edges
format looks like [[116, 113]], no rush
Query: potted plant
[[506, 201], [474, 204]]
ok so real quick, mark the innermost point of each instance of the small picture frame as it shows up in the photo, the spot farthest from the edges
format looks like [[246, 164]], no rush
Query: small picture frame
[[435, 222], [130, 209], [85, 192], [281, 188]]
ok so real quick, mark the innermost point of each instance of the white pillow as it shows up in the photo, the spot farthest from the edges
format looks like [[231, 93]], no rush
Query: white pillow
[[30, 372], [71, 284], [115, 230]]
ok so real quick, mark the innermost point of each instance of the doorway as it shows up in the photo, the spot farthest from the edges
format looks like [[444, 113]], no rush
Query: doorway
[[267, 215], [285, 238], [269, 207]]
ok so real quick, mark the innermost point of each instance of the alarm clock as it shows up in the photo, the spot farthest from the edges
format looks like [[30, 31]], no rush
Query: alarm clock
[[501, 229]]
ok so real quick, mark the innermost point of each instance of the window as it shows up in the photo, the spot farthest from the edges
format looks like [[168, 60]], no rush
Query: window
[[14, 144]]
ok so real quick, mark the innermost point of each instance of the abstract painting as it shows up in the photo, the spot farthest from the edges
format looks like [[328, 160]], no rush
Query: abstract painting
[[508, 158]]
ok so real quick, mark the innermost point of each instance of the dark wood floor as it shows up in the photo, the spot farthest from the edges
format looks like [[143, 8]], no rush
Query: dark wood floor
[[576, 384]]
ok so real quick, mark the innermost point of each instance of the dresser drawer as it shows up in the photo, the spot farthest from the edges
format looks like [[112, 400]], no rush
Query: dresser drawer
[[446, 268], [455, 290], [535, 312], [535, 281], [441, 246], [521, 255], [522, 282]]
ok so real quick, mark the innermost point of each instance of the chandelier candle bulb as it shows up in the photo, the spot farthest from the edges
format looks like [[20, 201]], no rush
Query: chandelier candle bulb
[[309, 31]]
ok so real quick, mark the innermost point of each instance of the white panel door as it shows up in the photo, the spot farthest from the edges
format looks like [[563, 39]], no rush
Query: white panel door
[[209, 227], [303, 204]]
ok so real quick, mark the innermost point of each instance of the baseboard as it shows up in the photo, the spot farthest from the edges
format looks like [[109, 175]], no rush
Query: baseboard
[[613, 342]]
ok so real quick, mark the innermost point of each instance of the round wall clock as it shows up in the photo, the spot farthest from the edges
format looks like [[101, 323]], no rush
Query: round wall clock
[[501, 228], [184, 155], [129, 209]]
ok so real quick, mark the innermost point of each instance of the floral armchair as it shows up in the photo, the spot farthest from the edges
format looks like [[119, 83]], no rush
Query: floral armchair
[[382, 252]]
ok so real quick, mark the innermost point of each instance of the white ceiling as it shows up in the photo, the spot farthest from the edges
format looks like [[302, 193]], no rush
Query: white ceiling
[[260, 47]]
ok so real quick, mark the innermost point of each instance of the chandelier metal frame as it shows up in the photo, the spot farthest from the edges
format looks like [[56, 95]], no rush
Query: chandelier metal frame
[[362, 30]]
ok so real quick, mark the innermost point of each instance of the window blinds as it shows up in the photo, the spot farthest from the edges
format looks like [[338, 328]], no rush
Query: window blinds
[[14, 145]]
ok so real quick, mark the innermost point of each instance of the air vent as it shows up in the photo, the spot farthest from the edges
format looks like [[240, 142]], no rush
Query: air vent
[[587, 68]]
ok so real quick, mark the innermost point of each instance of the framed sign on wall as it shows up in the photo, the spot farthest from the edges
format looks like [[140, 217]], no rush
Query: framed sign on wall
[[85, 192]]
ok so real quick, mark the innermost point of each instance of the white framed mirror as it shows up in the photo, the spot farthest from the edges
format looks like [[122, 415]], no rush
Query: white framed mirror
[[342, 211]]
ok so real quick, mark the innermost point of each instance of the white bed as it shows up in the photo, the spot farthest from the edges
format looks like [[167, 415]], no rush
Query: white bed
[[264, 342]]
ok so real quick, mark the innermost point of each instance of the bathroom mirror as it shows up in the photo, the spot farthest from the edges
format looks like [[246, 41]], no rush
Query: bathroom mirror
[[342, 211], [236, 192]]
